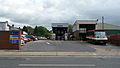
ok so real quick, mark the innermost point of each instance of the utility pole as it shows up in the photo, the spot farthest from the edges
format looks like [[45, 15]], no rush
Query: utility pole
[[103, 22]]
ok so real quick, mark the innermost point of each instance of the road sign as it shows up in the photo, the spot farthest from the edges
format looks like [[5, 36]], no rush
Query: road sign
[[14, 37]]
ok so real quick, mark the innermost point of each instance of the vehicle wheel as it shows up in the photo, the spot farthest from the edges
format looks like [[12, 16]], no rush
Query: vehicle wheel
[[104, 43]]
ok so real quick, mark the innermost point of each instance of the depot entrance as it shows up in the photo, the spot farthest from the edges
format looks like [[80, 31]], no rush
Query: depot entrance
[[60, 30], [83, 29]]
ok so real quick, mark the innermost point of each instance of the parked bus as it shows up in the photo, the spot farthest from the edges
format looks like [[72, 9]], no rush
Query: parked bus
[[96, 36]]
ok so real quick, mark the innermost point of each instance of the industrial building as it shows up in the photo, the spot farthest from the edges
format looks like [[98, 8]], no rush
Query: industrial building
[[60, 30], [3, 26], [109, 28], [81, 26]]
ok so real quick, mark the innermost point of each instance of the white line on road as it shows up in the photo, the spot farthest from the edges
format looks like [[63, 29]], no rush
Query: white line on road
[[38, 65], [60, 56], [47, 43]]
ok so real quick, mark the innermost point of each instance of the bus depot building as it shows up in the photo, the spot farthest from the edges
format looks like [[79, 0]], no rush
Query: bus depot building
[[81, 26], [60, 30], [109, 28]]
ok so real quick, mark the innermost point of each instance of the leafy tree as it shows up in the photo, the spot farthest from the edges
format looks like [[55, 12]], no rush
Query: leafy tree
[[70, 26], [28, 29], [24, 29], [36, 31], [41, 31]]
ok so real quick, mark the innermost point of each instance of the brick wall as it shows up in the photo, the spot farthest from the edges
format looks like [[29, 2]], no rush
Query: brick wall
[[5, 41]]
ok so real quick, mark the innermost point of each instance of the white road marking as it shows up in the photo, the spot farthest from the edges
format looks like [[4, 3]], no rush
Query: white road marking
[[38, 65], [59, 56], [47, 43]]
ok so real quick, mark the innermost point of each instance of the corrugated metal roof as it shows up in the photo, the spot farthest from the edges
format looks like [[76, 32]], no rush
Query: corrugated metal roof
[[86, 21], [107, 26]]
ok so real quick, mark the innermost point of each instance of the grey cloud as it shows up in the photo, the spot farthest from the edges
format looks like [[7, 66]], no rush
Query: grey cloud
[[45, 12]]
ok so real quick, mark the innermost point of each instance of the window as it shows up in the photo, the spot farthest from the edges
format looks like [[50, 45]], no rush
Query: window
[[100, 34]]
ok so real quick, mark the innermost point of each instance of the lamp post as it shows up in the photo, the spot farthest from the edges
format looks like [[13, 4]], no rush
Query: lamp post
[[103, 22]]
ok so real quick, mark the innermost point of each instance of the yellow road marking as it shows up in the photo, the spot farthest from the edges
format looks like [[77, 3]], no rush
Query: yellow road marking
[[94, 54]]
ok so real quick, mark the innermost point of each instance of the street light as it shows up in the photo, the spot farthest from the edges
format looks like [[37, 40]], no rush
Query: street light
[[103, 22]]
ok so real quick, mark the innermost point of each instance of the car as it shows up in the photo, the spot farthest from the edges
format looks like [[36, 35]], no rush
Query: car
[[28, 39], [42, 38], [22, 42], [32, 37], [25, 39]]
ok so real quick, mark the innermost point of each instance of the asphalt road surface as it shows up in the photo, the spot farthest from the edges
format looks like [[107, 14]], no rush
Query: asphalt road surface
[[59, 62], [60, 46]]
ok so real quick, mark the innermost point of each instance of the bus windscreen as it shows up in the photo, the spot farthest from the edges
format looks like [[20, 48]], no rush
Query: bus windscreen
[[100, 34]]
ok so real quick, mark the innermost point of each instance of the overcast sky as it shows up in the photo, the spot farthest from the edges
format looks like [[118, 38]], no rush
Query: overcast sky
[[45, 12]]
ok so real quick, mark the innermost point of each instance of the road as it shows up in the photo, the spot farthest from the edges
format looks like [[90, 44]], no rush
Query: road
[[59, 62], [68, 54]]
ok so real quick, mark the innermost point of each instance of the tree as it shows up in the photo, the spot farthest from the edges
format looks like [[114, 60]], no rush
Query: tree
[[41, 31], [70, 26], [36, 31], [24, 29], [28, 29]]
